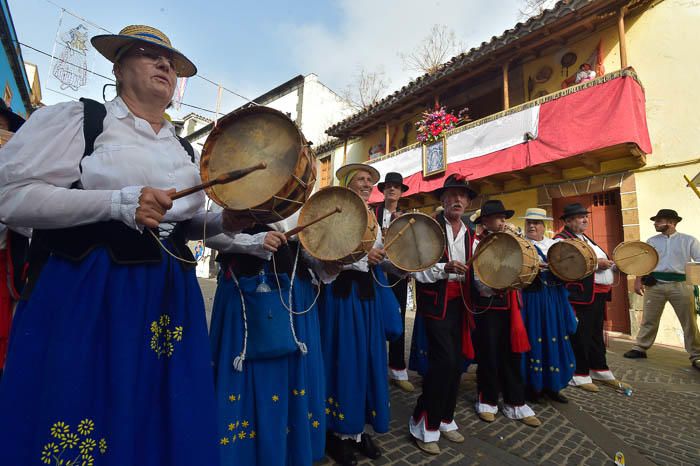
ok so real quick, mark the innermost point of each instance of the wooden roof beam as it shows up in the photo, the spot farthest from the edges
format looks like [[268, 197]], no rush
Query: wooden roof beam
[[591, 163], [553, 171]]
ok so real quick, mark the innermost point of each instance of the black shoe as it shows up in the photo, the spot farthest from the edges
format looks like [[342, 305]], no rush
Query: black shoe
[[635, 354], [556, 396], [341, 451], [368, 448], [533, 396]]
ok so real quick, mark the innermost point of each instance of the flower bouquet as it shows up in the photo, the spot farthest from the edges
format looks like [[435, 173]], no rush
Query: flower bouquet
[[435, 124]]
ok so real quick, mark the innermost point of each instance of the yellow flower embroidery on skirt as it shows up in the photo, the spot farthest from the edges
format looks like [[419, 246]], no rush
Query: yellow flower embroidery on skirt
[[73, 448], [163, 339]]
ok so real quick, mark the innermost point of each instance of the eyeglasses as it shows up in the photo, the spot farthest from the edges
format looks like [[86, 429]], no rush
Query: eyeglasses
[[153, 55]]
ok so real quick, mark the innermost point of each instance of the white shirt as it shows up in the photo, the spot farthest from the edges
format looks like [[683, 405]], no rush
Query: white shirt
[[544, 245], [455, 252], [675, 251], [602, 277], [386, 220], [41, 162]]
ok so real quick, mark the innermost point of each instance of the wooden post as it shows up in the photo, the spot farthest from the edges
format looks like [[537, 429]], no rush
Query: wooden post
[[506, 99], [622, 37], [345, 151], [387, 141]]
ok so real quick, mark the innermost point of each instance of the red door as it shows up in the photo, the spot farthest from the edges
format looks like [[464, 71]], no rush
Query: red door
[[606, 230]]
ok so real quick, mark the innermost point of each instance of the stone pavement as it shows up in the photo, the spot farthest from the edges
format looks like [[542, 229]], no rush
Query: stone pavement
[[658, 424]]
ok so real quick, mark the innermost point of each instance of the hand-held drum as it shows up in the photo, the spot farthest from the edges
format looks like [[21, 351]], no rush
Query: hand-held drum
[[571, 260], [506, 261], [635, 258], [692, 273], [247, 137], [345, 237], [414, 242]]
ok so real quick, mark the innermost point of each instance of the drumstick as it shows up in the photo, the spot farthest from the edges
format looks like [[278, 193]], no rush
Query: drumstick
[[478, 252], [631, 256], [401, 232], [221, 179], [296, 230], [692, 186]]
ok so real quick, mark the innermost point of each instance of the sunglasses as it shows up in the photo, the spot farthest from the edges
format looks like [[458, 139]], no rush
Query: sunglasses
[[153, 55]]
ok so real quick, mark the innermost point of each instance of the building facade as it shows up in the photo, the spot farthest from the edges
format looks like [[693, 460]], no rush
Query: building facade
[[619, 143]]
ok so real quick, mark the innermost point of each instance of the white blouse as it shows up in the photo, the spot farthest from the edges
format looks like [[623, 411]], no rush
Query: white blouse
[[43, 159]]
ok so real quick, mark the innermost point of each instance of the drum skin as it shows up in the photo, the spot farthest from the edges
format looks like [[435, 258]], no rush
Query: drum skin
[[347, 236], [635, 258], [506, 262], [247, 137], [420, 246], [571, 260]]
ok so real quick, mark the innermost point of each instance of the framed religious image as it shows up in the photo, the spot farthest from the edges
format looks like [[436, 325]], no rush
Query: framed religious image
[[434, 157]]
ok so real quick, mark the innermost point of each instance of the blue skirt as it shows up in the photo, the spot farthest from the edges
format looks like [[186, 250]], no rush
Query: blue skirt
[[418, 359], [109, 364], [353, 337], [271, 413], [549, 321]]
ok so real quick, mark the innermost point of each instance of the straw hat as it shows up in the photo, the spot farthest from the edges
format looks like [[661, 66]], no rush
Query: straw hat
[[534, 213], [112, 45], [347, 172], [475, 215]]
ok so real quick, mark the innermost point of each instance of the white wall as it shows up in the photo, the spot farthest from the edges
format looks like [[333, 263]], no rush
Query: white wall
[[321, 108]]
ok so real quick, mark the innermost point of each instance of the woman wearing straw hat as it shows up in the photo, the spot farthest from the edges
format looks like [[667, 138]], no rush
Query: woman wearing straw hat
[[109, 360], [272, 380], [549, 320], [357, 315]]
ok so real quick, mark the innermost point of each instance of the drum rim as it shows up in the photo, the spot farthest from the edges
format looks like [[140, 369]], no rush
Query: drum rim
[[578, 241], [439, 228], [531, 275], [636, 242], [302, 235], [225, 121]]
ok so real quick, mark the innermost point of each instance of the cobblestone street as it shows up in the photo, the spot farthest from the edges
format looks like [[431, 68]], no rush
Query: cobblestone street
[[658, 424]]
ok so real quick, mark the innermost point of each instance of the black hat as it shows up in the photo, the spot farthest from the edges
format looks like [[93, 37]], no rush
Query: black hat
[[667, 213], [573, 209], [393, 177], [456, 181], [15, 120], [493, 207]]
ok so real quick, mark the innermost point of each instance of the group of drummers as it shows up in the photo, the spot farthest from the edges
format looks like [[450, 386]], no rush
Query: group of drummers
[[111, 360]]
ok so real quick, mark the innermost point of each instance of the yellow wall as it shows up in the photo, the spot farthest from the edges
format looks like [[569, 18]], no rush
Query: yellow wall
[[583, 49], [519, 202], [662, 47]]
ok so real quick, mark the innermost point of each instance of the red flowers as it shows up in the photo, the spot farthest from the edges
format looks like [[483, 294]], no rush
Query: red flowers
[[435, 124]]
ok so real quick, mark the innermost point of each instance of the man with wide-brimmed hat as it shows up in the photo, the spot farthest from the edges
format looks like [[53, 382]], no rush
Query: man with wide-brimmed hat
[[588, 298], [549, 320], [358, 313], [499, 337], [667, 284], [441, 293], [392, 188]]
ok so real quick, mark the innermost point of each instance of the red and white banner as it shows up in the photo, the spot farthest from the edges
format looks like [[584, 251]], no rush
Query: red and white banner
[[596, 117]]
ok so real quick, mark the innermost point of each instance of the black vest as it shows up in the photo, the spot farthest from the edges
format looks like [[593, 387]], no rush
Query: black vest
[[124, 244], [430, 297], [580, 292], [247, 265]]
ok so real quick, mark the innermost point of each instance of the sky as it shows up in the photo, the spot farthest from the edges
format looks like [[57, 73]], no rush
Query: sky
[[251, 47]]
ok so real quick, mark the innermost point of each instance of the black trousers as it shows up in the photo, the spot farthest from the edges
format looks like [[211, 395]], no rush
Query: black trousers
[[445, 364], [498, 368], [397, 348], [587, 342]]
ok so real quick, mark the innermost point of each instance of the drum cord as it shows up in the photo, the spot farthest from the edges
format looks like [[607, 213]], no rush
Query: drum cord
[[371, 269], [204, 241], [291, 285]]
